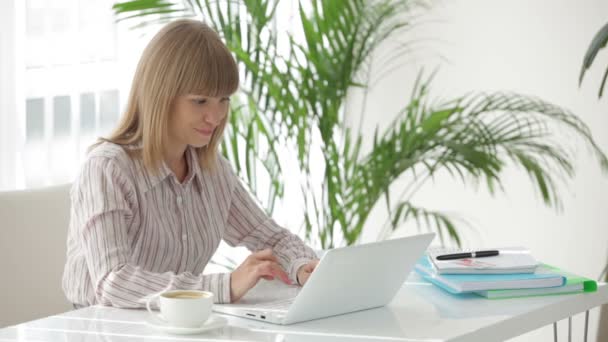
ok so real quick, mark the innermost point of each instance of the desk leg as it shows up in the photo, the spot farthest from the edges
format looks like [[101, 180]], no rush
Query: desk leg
[[570, 329], [554, 331], [586, 324]]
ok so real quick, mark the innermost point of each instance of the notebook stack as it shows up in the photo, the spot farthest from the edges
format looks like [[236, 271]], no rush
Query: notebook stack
[[514, 272]]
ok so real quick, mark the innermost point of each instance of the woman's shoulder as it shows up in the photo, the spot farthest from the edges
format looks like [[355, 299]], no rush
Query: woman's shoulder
[[223, 164], [107, 149], [225, 168], [110, 153], [107, 167]]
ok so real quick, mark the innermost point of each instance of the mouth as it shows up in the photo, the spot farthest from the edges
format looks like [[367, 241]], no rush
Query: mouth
[[205, 132]]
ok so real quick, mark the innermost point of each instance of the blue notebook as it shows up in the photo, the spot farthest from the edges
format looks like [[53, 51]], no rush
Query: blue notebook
[[574, 284], [462, 283]]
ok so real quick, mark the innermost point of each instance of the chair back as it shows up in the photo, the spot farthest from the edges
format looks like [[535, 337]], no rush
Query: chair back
[[33, 233]]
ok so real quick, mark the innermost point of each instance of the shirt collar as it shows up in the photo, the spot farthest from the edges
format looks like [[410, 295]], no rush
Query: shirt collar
[[194, 167], [151, 179]]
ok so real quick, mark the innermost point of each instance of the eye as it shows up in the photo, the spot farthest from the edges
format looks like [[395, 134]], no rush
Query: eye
[[199, 101], [225, 99]]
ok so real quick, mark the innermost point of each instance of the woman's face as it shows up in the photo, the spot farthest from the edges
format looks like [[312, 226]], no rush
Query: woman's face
[[194, 119]]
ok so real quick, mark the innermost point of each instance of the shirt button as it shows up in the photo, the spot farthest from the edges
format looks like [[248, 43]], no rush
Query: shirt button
[[179, 200], [184, 236]]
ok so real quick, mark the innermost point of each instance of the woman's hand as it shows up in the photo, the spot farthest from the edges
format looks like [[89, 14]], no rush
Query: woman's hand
[[306, 270], [262, 264]]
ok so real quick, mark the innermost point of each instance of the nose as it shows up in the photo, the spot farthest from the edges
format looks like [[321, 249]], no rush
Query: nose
[[212, 120], [214, 114]]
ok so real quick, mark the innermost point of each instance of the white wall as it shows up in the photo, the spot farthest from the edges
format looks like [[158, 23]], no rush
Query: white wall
[[530, 47]]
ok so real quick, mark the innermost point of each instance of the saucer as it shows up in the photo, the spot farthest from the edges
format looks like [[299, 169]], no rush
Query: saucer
[[213, 322]]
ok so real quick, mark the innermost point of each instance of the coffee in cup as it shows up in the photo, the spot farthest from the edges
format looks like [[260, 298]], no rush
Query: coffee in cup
[[183, 308], [184, 294]]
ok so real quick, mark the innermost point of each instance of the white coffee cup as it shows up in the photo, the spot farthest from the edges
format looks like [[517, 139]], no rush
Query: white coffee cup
[[183, 308]]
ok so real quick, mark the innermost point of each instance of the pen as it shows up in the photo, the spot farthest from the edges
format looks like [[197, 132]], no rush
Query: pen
[[478, 254]]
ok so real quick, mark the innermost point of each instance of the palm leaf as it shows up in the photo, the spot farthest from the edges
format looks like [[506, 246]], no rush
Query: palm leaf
[[247, 132], [148, 12], [438, 221], [224, 261], [473, 137], [598, 42]]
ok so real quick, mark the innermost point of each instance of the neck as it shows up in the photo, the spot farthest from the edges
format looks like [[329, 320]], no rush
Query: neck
[[175, 158]]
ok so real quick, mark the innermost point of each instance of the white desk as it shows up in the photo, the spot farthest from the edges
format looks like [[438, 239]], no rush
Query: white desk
[[419, 312]]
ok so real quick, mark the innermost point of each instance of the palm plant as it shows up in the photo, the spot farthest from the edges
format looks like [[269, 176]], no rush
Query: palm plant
[[294, 92], [599, 42]]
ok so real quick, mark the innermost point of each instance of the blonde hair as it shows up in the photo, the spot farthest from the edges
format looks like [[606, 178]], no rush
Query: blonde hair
[[184, 57]]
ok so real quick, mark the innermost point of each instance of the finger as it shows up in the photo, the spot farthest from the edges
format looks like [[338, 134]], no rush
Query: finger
[[258, 257], [278, 270], [265, 254], [262, 272], [304, 277], [273, 268], [283, 275], [312, 265]]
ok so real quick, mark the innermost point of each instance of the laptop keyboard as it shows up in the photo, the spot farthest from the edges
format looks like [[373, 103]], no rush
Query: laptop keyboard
[[269, 295], [275, 305]]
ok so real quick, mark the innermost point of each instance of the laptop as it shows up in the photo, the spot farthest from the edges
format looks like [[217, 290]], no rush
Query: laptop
[[346, 280]]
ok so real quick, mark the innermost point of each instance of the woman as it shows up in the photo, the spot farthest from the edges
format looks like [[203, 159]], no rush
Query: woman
[[153, 200]]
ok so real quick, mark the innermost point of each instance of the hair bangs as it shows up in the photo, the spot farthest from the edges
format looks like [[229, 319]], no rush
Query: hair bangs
[[210, 70]]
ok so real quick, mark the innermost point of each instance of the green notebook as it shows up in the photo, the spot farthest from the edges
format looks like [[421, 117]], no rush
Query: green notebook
[[574, 284]]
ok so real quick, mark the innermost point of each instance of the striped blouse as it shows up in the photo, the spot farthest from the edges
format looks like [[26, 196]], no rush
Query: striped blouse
[[134, 233]]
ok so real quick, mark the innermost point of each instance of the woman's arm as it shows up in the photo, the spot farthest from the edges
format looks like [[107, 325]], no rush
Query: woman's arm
[[250, 226], [103, 202]]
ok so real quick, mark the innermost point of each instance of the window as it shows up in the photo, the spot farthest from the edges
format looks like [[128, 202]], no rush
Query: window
[[70, 83], [65, 85], [69, 79]]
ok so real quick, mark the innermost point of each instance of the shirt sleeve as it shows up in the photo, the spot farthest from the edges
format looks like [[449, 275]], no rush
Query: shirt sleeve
[[248, 225], [103, 203]]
